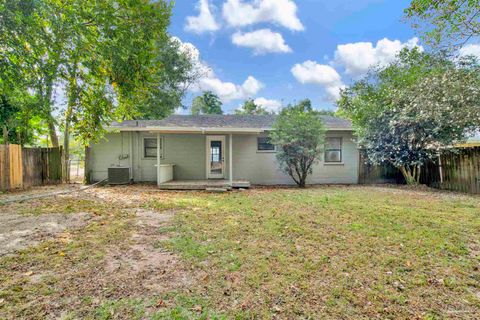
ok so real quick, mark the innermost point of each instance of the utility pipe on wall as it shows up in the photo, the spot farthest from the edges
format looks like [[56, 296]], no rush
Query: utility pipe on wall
[[159, 169], [230, 158]]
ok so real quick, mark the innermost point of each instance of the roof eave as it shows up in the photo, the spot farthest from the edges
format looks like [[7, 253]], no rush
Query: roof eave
[[204, 130], [188, 129]]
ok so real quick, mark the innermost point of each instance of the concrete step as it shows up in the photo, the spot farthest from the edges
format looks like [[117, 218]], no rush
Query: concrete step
[[219, 190]]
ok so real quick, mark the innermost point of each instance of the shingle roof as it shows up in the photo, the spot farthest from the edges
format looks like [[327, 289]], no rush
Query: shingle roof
[[222, 121]]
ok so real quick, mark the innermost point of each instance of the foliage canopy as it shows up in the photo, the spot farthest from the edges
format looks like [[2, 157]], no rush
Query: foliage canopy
[[207, 103], [299, 135], [407, 112], [250, 107], [451, 22], [114, 59]]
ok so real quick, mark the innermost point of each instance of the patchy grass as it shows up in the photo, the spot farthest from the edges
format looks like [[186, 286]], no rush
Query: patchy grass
[[330, 252], [334, 252], [65, 205], [35, 277]]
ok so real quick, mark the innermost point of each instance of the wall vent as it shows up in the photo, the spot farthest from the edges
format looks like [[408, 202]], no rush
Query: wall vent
[[119, 175]]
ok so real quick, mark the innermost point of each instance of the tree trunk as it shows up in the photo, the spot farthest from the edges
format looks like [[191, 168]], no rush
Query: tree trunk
[[66, 142], [53, 132], [5, 135], [66, 151], [72, 91], [302, 183], [46, 94], [412, 177]]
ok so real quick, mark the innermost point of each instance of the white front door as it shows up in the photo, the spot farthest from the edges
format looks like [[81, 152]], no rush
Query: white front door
[[215, 157]]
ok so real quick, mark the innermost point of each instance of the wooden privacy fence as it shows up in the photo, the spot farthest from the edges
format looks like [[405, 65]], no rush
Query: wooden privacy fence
[[377, 174], [454, 170], [26, 167]]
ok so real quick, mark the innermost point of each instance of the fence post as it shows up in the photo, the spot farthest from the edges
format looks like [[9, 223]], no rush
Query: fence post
[[7, 166]]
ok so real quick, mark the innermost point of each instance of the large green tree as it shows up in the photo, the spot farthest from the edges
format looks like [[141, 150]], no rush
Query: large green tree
[[407, 112], [8, 118], [448, 22], [175, 72], [250, 107], [18, 119], [207, 103], [34, 36], [299, 135], [114, 59]]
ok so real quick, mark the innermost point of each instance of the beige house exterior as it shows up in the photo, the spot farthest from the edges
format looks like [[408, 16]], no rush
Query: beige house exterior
[[215, 147]]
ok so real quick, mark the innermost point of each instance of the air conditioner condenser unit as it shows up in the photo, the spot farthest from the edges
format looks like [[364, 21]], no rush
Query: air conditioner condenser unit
[[119, 175]]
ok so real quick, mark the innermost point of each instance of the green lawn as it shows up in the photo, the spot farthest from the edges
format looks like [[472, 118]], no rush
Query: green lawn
[[330, 252], [333, 252]]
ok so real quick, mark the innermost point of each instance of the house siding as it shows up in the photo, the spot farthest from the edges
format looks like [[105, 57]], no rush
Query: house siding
[[188, 154], [262, 167], [106, 154]]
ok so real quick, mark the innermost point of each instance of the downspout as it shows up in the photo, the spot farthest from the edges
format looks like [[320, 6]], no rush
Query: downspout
[[230, 159], [440, 168], [159, 169], [131, 157], [139, 156]]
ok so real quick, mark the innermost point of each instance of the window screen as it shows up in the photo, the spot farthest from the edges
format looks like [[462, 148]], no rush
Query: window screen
[[150, 148], [265, 144], [333, 150], [215, 151]]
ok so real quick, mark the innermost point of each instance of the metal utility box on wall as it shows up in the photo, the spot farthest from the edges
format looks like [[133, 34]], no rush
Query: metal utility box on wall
[[119, 175]]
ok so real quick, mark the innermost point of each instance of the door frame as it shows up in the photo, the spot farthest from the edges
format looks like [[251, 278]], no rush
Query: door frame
[[208, 139]]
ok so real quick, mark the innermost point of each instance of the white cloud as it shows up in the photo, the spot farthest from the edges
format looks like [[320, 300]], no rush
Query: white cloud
[[204, 22], [269, 105], [311, 72], [261, 41], [228, 91], [208, 80], [358, 57], [251, 86], [470, 50], [199, 67], [238, 13]]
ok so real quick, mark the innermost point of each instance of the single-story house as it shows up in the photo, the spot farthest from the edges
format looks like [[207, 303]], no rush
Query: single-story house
[[233, 149]]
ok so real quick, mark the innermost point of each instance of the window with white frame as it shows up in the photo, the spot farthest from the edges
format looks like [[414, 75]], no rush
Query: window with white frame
[[264, 144], [150, 148], [333, 150]]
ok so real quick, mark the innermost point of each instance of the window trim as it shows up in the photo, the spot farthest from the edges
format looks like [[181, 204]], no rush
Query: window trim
[[162, 148], [333, 149], [274, 150]]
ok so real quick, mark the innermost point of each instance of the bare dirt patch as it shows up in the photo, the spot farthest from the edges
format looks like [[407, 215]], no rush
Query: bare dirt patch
[[159, 269], [21, 231], [87, 252], [135, 269], [35, 191]]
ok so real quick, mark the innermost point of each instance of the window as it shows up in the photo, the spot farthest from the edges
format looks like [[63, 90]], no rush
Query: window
[[333, 150], [265, 144], [215, 151], [150, 148]]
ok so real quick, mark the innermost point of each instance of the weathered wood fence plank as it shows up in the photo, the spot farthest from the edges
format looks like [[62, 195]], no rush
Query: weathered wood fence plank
[[32, 167], [16, 166], [4, 175], [456, 170], [460, 170], [26, 167]]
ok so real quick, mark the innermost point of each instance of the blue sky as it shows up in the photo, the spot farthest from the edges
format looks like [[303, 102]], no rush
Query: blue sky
[[282, 51]]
